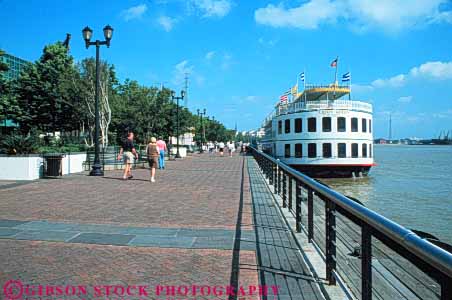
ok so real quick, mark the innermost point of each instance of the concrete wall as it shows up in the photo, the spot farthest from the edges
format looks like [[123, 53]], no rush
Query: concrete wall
[[21, 167], [31, 167], [73, 163]]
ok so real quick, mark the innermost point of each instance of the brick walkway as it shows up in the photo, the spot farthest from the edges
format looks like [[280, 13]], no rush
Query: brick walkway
[[194, 226]]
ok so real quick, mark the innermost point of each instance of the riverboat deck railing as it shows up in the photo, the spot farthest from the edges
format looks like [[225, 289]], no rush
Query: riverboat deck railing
[[298, 106], [387, 260]]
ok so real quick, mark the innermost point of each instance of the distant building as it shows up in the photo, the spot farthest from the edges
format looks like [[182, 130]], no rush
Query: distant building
[[380, 141], [15, 66]]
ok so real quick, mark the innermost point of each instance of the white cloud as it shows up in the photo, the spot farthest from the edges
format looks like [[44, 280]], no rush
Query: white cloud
[[134, 12], [388, 15], [395, 81], [436, 70], [307, 16], [405, 99], [443, 17], [180, 70], [212, 8], [210, 55], [166, 22]]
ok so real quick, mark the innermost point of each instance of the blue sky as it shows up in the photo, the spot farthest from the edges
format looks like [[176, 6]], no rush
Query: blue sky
[[241, 55]]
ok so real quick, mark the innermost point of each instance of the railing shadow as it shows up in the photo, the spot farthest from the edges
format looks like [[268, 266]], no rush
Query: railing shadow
[[279, 261]]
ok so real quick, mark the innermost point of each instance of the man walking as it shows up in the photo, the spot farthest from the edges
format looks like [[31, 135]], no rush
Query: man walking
[[161, 145], [128, 153]]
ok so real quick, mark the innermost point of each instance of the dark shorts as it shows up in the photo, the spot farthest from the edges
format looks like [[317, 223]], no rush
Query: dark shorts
[[153, 162], [221, 149]]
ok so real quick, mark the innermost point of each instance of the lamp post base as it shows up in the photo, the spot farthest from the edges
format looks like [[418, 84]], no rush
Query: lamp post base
[[96, 170], [178, 155]]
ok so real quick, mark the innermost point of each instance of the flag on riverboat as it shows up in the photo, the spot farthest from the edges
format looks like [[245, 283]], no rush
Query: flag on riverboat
[[302, 76], [346, 77], [294, 89], [334, 62], [284, 98]]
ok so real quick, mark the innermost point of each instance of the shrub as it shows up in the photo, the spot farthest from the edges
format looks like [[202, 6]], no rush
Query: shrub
[[16, 143]]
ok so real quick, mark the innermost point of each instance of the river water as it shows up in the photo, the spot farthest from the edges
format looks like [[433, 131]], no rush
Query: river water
[[412, 185]]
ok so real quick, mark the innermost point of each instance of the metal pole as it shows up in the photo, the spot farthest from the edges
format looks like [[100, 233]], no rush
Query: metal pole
[[97, 169], [297, 206], [366, 263], [177, 138], [330, 241]]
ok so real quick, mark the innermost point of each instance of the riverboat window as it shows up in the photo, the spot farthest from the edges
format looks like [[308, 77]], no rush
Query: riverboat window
[[279, 127], [326, 124], [312, 126], [298, 125], [341, 124], [342, 150], [364, 125], [287, 150], [298, 150], [370, 125], [370, 150], [364, 150], [326, 150], [287, 126], [312, 150], [354, 150], [354, 124]]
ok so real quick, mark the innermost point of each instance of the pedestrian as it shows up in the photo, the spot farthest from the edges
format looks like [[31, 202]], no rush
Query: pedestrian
[[221, 148], [153, 154], [231, 148], [211, 147], [128, 153], [162, 149]]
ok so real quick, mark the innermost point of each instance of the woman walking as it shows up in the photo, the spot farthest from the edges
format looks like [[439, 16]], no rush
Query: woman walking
[[153, 155], [162, 149], [128, 152]]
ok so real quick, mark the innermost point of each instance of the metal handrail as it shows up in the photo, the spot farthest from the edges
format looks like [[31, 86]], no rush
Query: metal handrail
[[435, 257]]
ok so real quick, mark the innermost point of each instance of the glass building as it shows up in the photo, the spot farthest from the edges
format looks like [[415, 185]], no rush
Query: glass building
[[15, 66]]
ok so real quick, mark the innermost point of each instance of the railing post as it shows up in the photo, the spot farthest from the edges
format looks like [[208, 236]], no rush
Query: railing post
[[366, 263], [446, 288], [290, 192], [284, 189], [270, 171], [310, 215], [279, 181], [330, 243], [275, 178], [297, 206]]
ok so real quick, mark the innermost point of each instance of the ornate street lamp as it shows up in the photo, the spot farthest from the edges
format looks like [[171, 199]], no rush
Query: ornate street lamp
[[177, 98], [87, 35]]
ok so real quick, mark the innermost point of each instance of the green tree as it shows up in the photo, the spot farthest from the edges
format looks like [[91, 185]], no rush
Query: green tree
[[48, 92]]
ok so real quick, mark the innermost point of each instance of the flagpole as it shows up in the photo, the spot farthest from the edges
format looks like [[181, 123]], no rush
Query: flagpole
[[350, 86], [335, 77]]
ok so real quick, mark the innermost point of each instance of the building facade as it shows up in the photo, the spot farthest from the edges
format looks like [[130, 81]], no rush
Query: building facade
[[15, 66]]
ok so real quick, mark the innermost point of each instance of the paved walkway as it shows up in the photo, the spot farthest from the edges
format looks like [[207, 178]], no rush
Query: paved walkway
[[207, 221]]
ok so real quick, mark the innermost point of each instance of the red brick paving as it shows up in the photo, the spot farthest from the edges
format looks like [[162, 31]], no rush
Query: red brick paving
[[197, 192], [47, 263]]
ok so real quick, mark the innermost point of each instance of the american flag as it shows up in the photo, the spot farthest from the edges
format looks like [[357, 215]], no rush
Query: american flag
[[334, 62], [284, 98]]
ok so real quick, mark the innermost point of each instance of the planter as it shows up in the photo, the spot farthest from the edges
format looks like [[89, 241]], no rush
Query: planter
[[30, 167]]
